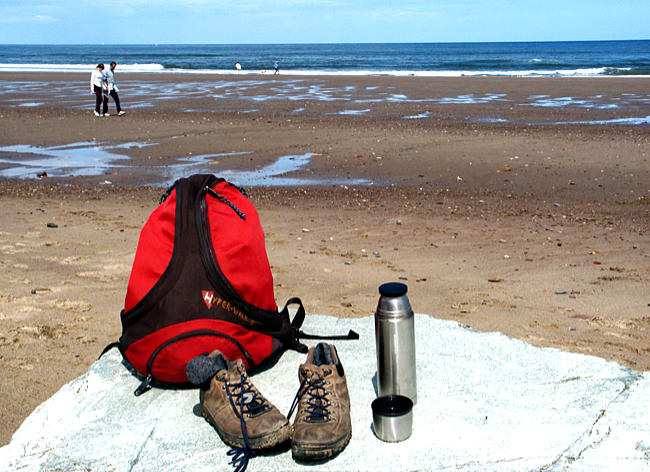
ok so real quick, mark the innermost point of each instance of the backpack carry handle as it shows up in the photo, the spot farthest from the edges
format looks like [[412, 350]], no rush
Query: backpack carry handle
[[294, 343], [297, 333], [299, 317]]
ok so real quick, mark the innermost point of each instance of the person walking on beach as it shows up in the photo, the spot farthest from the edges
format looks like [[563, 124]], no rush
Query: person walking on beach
[[276, 66], [112, 88], [97, 86]]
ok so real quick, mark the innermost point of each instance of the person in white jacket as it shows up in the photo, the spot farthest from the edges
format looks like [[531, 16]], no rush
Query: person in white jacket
[[112, 88], [98, 86]]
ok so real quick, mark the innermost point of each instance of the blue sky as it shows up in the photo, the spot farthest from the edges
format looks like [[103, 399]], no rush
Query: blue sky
[[318, 21]]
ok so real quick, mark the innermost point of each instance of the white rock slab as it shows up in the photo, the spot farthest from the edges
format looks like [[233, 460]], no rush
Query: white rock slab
[[485, 402]]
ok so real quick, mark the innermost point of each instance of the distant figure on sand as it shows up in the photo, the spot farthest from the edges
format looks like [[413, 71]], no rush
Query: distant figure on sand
[[276, 66], [98, 86], [112, 88], [238, 66]]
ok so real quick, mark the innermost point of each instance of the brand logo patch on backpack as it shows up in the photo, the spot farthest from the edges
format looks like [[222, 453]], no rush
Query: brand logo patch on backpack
[[208, 298]]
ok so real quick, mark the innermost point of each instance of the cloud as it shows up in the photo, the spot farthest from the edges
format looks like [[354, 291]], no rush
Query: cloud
[[45, 19], [232, 6], [26, 20]]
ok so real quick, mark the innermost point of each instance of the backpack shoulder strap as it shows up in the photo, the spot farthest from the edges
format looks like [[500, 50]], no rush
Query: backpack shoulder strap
[[108, 348]]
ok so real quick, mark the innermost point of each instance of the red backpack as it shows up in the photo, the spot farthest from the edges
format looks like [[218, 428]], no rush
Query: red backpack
[[201, 281]]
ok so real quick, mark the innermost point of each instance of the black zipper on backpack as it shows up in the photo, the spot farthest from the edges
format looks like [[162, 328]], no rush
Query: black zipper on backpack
[[208, 250], [146, 383], [212, 264]]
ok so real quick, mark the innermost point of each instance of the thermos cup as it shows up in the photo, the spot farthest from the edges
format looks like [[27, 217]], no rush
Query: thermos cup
[[392, 417], [395, 341]]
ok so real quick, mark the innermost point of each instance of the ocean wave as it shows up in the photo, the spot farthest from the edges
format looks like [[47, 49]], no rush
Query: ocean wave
[[588, 72], [626, 71], [170, 68], [76, 67]]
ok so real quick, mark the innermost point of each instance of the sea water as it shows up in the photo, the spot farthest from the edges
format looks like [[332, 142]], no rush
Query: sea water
[[571, 59], [557, 58]]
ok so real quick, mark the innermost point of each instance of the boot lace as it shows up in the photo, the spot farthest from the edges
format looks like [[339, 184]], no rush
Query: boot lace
[[317, 402], [245, 400]]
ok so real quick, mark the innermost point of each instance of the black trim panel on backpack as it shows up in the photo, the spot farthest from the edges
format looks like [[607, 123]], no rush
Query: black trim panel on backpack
[[149, 378], [145, 302]]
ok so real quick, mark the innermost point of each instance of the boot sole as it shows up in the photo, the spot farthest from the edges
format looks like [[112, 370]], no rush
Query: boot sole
[[315, 452], [267, 440]]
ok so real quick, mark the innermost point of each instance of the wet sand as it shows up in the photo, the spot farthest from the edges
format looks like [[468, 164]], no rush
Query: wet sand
[[492, 211]]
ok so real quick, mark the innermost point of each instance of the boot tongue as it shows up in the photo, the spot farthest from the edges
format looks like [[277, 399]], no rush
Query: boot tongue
[[313, 372], [319, 413], [323, 354], [307, 373], [316, 394], [252, 402], [236, 370]]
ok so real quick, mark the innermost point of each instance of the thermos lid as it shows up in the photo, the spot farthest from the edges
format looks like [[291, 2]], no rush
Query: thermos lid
[[393, 289]]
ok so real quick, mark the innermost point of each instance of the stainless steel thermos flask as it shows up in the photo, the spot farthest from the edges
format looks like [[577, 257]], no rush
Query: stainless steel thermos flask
[[395, 341]]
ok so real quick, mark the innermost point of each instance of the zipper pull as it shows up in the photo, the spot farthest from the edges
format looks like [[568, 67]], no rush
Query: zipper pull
[[223, 199], [144, 386]]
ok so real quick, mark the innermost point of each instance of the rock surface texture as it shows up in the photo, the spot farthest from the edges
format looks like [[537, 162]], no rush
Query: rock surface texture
[[485, 402]]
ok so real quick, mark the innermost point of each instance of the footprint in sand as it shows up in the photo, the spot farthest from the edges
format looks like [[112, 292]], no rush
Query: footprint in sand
[[43, 331], [494, 302], [99, 276], [70, 260], [28, 309], [10, 249], [117, 268], [20, 281], [86, 339], [76, 306], [74, 260], [22, 365], [464, 307], [110, 272]]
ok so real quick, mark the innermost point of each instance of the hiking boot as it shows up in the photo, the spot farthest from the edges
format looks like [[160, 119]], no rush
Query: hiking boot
[[322, 427], [231, 403]]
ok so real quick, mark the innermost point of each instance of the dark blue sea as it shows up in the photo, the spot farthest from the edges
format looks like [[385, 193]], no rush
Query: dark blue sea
[[571, 58]]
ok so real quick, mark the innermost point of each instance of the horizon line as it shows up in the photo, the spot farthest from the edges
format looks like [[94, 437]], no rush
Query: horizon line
[[326, 43]]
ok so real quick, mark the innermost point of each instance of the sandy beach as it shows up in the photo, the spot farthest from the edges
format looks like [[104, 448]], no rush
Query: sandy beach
[[518, 205]]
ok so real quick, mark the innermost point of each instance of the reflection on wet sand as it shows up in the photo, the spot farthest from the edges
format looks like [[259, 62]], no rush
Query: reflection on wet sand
[[92, 159]]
